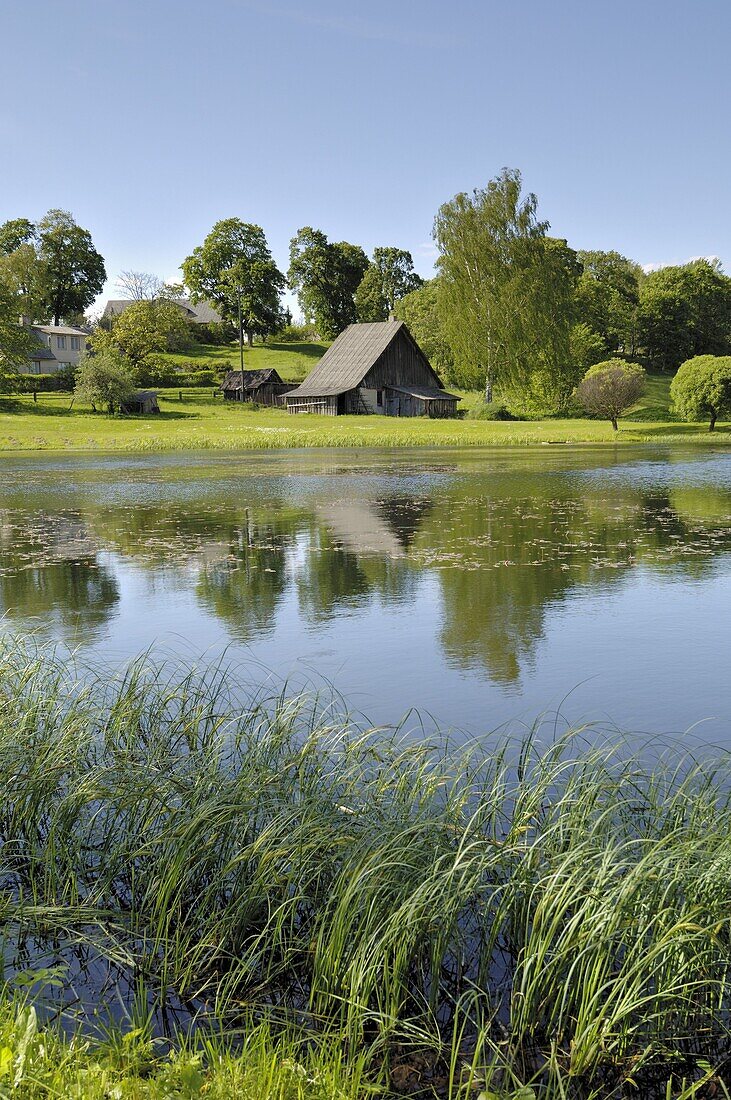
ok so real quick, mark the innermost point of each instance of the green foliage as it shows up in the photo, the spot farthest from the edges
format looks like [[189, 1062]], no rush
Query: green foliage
[[146, 327], [607, 298], [62, 381], [422, 312], [232, 266], [388, 278], [14, 234], [295, 333], [495, 410], [586, 347], [326, 276], [73, 272], [15, 342], [507, 292], [684, 312], [213, 332], [702, 388], [608, 389], [24, 274], [104, 378]]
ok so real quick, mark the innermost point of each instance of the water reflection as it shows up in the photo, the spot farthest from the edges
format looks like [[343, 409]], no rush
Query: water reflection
[[479, 555]]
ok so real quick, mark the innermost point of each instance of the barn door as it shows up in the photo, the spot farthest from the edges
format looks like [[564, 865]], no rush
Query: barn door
[[393, 404]]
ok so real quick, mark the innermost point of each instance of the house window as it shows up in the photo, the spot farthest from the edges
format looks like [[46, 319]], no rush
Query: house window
[[61, 342], [75, 343], [379, 398]]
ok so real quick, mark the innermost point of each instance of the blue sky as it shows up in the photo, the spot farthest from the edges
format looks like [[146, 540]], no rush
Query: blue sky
[[151, 120]]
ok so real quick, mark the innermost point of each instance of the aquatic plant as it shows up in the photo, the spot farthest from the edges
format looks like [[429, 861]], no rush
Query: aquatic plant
[[551, 914]]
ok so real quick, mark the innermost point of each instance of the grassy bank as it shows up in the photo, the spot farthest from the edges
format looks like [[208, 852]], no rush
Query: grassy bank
[[201, 421], [366, 913]]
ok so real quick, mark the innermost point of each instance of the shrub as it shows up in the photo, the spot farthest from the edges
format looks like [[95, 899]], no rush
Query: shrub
[[215, 332], [294, 333], [60, 382], [610, 388], [702, 388], [494, 411], [104, 379]]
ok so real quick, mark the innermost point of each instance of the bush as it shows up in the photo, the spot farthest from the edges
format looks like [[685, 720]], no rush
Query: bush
[[292, 334], [494, 411], [217, 332], [198, 378], [702, 388], [60, 382]]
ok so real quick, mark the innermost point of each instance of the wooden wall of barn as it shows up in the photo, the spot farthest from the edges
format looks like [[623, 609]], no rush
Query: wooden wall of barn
[[401, 364]]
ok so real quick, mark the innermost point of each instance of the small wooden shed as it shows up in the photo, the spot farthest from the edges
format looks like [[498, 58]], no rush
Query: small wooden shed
[[373, 368], [142, 402], [263, 386]]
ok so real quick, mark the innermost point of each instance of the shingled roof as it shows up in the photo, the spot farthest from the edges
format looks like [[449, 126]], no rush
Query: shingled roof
[[348, 359], [252, 379]]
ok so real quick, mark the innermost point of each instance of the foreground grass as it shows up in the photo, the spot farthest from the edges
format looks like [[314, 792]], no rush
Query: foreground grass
[[202, 421], [351, 912]]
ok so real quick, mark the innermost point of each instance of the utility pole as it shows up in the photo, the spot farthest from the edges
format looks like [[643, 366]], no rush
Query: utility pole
[[241, 340]]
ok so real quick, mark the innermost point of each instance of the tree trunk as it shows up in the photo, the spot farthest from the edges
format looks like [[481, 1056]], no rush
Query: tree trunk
[[614, 423], [488, 390], [250, 339], [712, 425]]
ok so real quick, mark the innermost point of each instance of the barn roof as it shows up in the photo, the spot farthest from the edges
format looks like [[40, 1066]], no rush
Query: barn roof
[[349, 358], [252, 379]]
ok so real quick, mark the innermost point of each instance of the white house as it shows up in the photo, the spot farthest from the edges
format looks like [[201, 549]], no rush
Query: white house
[[57, 346]]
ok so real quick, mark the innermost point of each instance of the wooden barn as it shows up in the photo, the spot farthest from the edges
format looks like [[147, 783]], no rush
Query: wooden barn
[[263, 386], [142, 402], [373, 368]]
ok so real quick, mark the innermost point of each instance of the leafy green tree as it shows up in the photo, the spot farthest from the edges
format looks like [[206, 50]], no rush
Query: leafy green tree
[[147, 327], [388, 278], [24, 274], [326, 276], [608, 389], [586, 347], [684, 312], [74, 272], [608, 296], [421, 311], [16, 342], [702, 388], [505, 295], [104, 378], [15, 233], [234, 264]]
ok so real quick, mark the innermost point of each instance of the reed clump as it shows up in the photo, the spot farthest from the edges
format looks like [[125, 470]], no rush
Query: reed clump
[[547, 918]]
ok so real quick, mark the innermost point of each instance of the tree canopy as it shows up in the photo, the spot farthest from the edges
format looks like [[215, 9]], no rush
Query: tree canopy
[[507, 290], [73, 270], [326, 276], [104, 378], [608, 296], [15, 341], [149, 326], [702, 388], [610, 388], [420, 310], [685, 311], [234, 263], [388, 278]]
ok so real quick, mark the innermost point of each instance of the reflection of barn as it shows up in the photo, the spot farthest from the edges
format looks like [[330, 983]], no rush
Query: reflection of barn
[[386, 527], [263, 386], [144, 402], [373, 368]]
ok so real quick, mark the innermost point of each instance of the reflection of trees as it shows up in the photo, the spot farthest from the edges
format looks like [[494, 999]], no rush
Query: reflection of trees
[[49, 570], [505, 559], [245, 586]]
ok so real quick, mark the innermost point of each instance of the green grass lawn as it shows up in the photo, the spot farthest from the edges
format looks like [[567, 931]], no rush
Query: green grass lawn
[[202, 421], [292, 361]]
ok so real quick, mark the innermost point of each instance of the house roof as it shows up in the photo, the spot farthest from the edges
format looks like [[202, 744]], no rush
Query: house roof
[[201, 313], [348, 359], [61, 330], [252, 379]]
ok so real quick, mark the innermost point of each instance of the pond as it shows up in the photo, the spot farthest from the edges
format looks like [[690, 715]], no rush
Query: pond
[[481, 588]]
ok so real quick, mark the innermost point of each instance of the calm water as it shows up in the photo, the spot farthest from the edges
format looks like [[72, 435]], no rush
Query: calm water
[[480, 588]]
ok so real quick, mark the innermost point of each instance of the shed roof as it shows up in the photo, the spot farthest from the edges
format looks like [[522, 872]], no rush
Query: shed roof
[[252, 379], [426, 393], [348, 359]]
